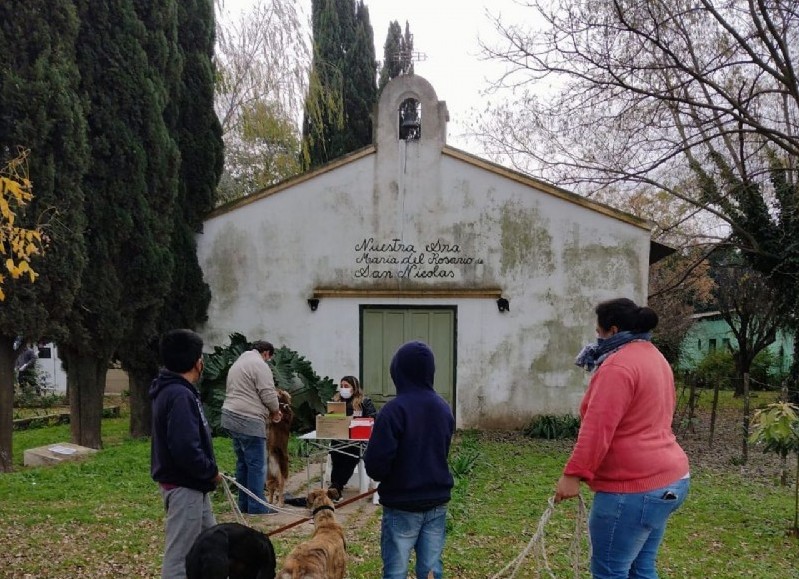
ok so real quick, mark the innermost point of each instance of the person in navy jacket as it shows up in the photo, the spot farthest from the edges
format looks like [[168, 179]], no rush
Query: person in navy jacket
[[407, 454], [182, 456]]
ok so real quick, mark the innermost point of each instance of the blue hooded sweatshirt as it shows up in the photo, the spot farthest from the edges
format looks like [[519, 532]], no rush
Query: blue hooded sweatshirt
[[410, 442], [182, 453]]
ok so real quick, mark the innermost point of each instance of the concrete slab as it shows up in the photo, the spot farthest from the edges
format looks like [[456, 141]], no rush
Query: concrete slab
[[55, 454]]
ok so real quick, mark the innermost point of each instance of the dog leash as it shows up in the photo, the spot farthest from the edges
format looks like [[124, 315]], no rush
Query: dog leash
[[249, 493], [538, 539], [233, 505], [306, 519]]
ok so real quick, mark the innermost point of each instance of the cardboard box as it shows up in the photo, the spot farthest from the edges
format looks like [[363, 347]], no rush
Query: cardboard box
[[361, 428], [332, 426], [336, 408]]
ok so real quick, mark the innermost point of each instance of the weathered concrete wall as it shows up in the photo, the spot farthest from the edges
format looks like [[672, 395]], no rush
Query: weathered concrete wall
[[416, 216]]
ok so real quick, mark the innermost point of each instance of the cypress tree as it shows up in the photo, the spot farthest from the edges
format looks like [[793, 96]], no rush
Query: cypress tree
[[360, 88], [136, 352], [41, 111], [397, 54], [324, 114], [341, 91], [199, 138], [123, 57]]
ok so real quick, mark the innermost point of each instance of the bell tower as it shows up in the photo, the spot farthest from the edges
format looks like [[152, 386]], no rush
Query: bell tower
[[409, 112]]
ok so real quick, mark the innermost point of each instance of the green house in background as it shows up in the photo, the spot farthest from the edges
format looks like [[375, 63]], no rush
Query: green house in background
[[710, 333]]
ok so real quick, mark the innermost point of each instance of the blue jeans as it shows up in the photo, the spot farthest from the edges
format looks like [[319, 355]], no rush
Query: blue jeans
[[250, 471], [402, 531], [627, 528]]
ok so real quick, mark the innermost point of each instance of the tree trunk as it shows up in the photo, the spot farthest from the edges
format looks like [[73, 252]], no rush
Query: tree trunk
[[140, 407], [745, 442], [692, 398], [793, 382], [86, 380], [796, 500], [6, 402], [713, 413]]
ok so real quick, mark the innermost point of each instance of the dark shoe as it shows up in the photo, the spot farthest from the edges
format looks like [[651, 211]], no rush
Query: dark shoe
[[297, 501], [335, 494]]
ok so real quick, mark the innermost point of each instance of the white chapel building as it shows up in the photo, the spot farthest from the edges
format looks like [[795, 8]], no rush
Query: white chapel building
[[410, 238]]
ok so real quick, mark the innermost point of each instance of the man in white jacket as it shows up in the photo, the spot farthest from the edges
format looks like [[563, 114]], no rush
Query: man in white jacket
[[250, 404]]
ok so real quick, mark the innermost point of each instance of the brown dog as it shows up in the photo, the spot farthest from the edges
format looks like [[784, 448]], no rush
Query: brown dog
[[323, 555], [278, 451]]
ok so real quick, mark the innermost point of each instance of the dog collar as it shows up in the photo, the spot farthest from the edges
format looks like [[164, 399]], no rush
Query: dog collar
[[322, 508]]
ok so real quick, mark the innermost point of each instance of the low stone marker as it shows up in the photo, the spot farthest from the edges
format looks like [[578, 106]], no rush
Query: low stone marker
[[55, 454]]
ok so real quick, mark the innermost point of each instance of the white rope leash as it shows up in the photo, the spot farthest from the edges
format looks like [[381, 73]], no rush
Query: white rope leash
[[233, 504], [538, 540], [252, 495]]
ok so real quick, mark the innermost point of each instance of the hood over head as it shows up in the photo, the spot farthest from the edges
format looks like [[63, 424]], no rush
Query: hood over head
[[166, 378], [413, 366]]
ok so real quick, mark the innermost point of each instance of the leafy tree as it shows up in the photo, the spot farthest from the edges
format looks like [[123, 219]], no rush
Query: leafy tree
[[291, 371], [41, 111], [397, 54], [197, 131], [776, 427], [264, 151], [750, 307], [341, 87], [261, 61], [696, 100], [18, 245], [125, 53], [678, 283]]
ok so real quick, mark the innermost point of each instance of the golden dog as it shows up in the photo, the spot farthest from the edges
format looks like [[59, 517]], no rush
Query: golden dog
[[278, 452], [323, 556]]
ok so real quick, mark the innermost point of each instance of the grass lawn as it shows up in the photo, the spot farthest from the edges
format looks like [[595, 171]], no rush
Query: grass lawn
[[103, 517]]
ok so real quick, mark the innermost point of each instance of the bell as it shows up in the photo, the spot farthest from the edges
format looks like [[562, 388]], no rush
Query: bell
[[410, 128]]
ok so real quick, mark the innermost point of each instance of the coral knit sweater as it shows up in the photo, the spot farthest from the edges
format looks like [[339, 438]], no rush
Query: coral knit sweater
[[626, 444]]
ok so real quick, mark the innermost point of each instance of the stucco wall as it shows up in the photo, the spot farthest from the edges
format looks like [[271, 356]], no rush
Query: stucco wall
[[409, 217]]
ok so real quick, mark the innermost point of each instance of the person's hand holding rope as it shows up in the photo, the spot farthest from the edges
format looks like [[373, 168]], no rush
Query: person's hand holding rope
[[568, 487]]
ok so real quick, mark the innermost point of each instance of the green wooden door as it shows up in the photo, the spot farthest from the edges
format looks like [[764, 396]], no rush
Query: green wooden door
[[384, 330]]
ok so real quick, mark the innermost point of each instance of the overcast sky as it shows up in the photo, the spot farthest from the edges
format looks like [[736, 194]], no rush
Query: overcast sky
[[448, 33]]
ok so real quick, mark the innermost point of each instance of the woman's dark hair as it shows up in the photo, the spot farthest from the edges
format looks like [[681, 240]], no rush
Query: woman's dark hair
[[262, 346], [626, 315], [352, 381], [357, 392], [180, 350]]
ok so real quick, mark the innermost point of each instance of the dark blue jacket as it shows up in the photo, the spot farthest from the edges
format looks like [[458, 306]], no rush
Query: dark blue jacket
[[408, 449], [182, 453]]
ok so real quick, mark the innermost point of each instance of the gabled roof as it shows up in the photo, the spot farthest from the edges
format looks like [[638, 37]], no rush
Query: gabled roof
[[455, 153], [657, 251], [292, 181], [545, 187]]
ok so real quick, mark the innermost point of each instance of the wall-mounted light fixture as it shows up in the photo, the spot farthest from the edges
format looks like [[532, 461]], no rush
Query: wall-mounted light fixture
[[503, 305], [313, 303]]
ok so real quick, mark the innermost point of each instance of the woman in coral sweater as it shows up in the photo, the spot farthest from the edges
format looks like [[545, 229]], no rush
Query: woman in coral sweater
[[626, 451]]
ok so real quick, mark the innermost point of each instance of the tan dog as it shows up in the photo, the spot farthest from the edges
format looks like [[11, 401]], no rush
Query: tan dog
[[323, 556], [278, 451]]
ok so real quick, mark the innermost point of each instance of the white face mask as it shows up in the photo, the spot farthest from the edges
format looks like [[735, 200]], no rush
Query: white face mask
[[345, 393]]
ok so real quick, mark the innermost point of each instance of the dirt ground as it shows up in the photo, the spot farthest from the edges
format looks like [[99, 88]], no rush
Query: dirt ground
[[351, 515]]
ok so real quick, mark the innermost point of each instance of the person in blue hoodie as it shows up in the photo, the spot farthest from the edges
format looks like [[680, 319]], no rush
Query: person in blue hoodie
[[407, 453], [182, 455]]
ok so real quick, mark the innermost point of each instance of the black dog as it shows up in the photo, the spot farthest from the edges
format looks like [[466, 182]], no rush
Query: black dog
[[233, 551]]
